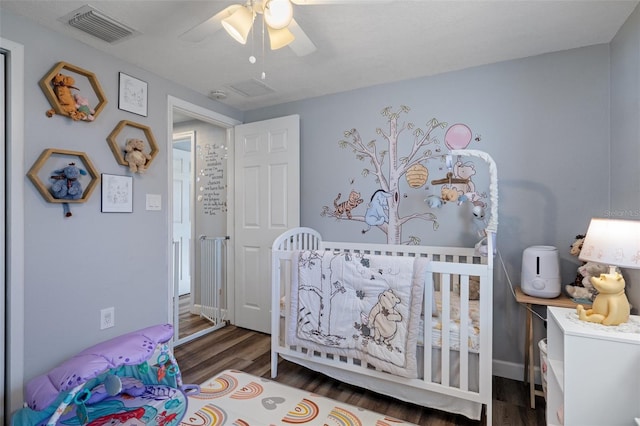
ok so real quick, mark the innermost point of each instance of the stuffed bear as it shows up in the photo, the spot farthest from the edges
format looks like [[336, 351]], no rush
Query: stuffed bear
[[582, 288], [135, 155], [82, 105], [62, 85], [611, 307], [383, 317], [449, 194]]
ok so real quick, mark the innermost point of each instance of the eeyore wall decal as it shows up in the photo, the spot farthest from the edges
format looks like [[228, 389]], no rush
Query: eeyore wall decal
[[377, 210]]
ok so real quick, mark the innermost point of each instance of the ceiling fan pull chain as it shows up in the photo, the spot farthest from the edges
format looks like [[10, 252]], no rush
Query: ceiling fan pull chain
[[252, 58], [264, 74]]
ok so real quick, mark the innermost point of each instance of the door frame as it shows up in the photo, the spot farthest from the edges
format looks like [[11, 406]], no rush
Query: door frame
[[14, 235], [217, 119]]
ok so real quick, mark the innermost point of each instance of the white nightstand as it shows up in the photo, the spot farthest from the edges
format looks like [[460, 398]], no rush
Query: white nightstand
[[593, 373]]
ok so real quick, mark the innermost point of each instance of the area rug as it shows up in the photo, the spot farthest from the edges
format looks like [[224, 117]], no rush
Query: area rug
[[236, 398]]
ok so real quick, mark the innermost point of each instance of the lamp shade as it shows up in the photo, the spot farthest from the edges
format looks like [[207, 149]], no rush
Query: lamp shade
[[612, 242], [279, 38], [239, 24], [278, 13]]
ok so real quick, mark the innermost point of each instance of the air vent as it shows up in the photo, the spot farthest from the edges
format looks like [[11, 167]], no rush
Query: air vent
[[97, 24], [251, 88]]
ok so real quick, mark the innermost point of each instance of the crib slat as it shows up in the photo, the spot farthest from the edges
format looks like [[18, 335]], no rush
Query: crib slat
[[427, 329], [464, 332], [445, 289]]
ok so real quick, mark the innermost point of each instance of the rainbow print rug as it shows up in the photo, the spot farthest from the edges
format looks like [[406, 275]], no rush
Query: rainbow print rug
[[235, 398]]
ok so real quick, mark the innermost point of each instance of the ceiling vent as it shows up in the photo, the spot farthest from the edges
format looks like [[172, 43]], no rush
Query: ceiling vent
[[251, 88], [96, 23]]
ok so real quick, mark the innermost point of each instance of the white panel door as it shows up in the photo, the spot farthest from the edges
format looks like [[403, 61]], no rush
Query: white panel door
[[182, 216], [267, 199]]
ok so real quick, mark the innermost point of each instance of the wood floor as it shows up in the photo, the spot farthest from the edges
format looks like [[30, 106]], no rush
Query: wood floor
[[236, 348]]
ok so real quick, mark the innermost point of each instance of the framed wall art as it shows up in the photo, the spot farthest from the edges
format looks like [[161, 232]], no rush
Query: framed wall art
[[117, 194], [132, 95]]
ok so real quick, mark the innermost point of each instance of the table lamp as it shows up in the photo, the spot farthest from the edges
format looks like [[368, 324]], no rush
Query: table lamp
[[613, 242]]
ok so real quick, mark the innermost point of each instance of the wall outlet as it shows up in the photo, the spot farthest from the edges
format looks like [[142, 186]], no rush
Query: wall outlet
[[107, 318]]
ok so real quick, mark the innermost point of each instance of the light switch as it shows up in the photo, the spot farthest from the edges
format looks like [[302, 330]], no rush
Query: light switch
[[154, 202]]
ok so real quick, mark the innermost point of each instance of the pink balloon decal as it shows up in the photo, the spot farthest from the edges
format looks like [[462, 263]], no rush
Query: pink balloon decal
[[458, 136]]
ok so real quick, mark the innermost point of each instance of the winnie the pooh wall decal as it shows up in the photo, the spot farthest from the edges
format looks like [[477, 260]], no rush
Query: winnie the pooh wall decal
[[395, 165]]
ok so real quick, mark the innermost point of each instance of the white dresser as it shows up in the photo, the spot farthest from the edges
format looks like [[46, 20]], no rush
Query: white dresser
[[593, 372]]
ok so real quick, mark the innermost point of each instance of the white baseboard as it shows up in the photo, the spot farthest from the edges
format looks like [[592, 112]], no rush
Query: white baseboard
[[513, 371]]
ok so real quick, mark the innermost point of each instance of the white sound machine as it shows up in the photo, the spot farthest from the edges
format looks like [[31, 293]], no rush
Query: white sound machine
[[540, 272]]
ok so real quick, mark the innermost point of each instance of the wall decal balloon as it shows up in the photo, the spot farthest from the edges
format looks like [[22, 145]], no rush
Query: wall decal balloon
[[458, 136]]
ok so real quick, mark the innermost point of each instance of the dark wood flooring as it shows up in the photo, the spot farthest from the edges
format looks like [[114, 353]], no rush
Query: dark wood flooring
[[236, 348]]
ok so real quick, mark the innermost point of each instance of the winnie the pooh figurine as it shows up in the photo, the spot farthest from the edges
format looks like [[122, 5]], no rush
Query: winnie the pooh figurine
[[611, 306]]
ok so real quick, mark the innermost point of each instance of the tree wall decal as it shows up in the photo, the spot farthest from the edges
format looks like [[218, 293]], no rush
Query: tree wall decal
[[389, 162]]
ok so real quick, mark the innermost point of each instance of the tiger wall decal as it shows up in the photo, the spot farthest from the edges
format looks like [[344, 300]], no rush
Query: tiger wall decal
[[345, 207]]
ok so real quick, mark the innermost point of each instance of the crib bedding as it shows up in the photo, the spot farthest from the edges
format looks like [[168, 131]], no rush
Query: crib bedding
[[352, 304]]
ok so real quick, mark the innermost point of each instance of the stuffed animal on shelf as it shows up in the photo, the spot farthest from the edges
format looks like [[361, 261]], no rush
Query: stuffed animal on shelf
[[135, 156], [66, 185], [62, 85], [611, 306], [82, 106]]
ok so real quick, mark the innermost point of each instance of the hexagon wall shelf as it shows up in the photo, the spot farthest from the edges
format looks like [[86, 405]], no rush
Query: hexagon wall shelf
[[118, 148], [33, 174], [47, 88]]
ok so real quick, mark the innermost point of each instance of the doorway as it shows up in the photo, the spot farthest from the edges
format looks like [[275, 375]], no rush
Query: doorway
[[12, 159], [201, 145]]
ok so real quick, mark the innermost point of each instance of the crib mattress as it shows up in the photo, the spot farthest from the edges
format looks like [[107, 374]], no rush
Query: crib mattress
[[454, 324], [158, 405]]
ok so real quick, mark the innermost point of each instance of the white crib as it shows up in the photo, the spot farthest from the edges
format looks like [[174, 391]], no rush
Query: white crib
[[453, 377]]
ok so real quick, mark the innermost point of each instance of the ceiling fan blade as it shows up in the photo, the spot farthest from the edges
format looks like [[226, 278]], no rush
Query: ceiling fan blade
[[208, 27], [302, 45]]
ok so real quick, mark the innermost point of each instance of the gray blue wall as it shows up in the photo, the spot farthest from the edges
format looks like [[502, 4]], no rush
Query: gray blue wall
[[562, 127], [625, 132], [76, 266]]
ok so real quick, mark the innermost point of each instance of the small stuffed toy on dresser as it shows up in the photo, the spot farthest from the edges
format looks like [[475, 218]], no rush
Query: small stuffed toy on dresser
[[582, 288]]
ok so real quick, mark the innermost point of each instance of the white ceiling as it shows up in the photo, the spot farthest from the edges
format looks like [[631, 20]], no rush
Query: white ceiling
[[359, 43]]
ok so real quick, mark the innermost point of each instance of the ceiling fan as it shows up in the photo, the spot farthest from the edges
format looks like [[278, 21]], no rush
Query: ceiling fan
[[277, 16]]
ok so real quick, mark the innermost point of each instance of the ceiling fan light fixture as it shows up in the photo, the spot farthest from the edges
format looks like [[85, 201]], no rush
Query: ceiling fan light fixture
[[279, 38], [239, 24], [278, 13]]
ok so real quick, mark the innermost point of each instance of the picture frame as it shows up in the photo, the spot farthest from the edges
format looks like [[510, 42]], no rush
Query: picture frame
[[117, 194], [132, 95]]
